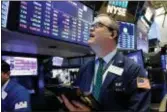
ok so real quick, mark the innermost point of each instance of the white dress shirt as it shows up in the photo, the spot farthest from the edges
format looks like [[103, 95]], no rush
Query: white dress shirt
[[4, 86], [106, 59]]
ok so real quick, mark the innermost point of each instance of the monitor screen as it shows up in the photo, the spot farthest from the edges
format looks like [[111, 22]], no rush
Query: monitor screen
[[57, 61], [142, 40], [21, 66], [126, 36], [137, 56], [4, 13], [65, 75], [62, 20], [164, 62]]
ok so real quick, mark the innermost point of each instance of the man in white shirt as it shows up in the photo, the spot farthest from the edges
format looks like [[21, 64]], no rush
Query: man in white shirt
[[115, 81], [15, 98]]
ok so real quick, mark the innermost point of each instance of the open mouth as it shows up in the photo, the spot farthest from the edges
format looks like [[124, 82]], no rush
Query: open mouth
[[92, 35]]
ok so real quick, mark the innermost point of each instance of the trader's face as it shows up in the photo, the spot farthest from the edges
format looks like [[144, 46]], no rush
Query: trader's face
[[99, 34]]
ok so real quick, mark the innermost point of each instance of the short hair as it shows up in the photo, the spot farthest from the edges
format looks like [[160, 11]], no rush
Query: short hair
[[108, 21], [5, 67]]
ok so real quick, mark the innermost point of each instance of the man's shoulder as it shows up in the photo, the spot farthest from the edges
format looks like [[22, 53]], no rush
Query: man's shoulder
[[17, 87]]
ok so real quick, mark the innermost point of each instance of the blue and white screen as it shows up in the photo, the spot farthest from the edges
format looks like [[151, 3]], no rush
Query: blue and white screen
[[126, 36], [4, 13], [21, 66], [62, 20], [164, 62], [137, 57]]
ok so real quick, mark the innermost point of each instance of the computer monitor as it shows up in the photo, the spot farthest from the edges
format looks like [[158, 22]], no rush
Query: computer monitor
[[65, 75], [61, 20], [126, 35], [57, 61], [21, 66], [4, 13], [142, 37], [164, 61], [137, 56]]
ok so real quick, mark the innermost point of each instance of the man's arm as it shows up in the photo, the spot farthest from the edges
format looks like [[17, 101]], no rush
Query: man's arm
[[22, 102], [140, 99]]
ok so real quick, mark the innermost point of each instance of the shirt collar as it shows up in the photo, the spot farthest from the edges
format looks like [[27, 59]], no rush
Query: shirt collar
[[109, 56], [4, 86]]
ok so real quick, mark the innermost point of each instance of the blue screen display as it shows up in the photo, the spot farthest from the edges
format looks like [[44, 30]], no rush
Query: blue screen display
[[4, 13], [137, 56], [61, 20], [122, 4], [164, 62], [126, 36], [142, 40]]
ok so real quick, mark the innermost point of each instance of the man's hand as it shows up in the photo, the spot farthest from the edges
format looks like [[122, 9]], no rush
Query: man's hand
[[74, 106]]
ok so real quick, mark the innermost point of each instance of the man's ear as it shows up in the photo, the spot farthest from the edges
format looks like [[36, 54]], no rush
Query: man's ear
[[113, 34]]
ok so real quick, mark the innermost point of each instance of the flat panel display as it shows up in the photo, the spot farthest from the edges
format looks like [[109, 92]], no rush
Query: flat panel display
[[4, 13], [65, 75], [142, 36], [62, 20], [57, 61], [137, 56], [142, 40], [126, 36], [164, 62], [21, 66]]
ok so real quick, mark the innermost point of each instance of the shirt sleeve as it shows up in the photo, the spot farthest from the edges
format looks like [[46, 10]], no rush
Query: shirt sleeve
[[22, 102], [140, 99]]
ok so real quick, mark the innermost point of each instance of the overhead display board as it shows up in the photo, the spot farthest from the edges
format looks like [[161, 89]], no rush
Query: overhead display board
[[62, 20]]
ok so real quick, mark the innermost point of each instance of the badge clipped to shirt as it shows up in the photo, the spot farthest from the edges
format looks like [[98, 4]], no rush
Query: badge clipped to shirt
[[116, 70], [20, 105], [143, 83]]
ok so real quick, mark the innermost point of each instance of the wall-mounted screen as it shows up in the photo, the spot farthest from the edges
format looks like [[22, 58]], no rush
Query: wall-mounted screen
[[4, 13], [142, 36], [142, 40], [126, 36], [57, 61], [21, 66], [164, 62], [137, 56], [62, 20]]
